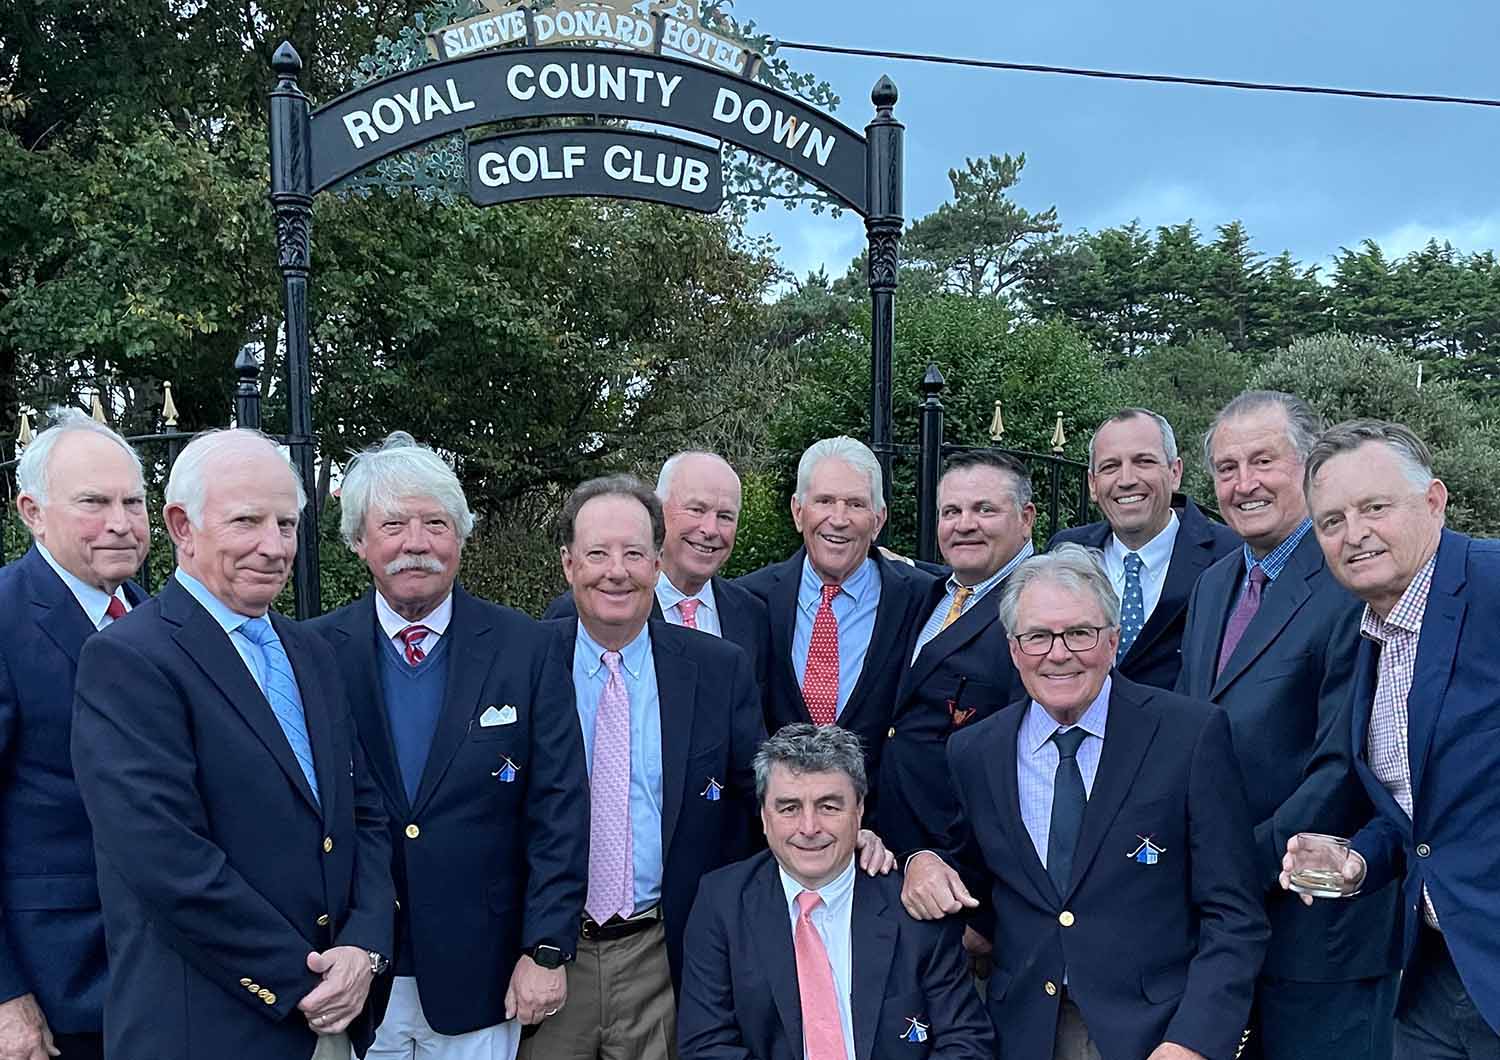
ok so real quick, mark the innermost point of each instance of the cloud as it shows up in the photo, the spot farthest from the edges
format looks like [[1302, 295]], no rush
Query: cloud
[[810, 242], [1467, 235]]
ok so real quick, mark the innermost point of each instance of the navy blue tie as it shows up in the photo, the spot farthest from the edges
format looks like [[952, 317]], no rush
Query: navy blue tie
[[1132, 605], [1068, 801], [281, 692]]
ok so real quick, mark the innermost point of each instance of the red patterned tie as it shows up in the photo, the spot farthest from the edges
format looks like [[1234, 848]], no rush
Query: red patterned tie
[[116, 609], [412, 637], [822, 1033], [820, 678], [688, 608]]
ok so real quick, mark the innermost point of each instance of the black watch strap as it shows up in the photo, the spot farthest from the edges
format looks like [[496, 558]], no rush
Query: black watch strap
[[548, 957]]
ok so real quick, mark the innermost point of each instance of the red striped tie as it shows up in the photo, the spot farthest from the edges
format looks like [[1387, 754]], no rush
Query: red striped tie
[[412, 637]]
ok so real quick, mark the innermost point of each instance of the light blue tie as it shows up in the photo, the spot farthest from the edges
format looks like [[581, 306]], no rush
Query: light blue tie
[[281, 692], [1132, 605]]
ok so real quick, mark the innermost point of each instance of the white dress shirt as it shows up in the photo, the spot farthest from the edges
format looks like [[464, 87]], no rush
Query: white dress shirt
[[1156, 557], [832, 921], [93, 600], [435, 620], [669, 596]]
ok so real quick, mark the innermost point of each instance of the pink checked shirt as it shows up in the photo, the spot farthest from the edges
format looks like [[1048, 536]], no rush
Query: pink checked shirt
[[1386, 747]]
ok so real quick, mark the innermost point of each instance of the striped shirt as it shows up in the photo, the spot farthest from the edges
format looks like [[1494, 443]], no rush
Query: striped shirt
[[934, 624]]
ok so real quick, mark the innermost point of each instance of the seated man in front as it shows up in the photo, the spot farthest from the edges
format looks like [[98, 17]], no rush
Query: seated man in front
[[793, 954]]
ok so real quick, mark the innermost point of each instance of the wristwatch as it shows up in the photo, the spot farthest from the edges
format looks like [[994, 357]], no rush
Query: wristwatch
[[548, 957], [378, 964]]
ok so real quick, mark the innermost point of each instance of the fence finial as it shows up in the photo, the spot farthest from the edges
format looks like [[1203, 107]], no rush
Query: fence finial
[[1059, 439], [168, 406], [99, 409], [24, 435], [997, 425]]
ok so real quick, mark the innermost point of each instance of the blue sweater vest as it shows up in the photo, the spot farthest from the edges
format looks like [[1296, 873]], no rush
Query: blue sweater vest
[[413, 701]]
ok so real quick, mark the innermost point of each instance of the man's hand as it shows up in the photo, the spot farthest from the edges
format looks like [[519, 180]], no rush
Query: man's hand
[[1353, 870], [980, 951], [334, 1002], [1173, 1051], [24, 1034], [535, 992], [874, 858], [933, 890]]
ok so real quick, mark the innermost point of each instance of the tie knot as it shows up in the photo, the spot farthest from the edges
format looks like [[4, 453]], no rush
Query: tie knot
[[1067, 741], [807, 901], [414, 635], [1132, 563], [688, 607], [961, 597], [611, 660], [116, 608], [829, 592], [1258, 576], [258, 630]]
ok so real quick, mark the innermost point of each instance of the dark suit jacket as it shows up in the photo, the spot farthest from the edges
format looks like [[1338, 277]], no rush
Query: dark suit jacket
[[1156, 656], [218, 870], [740, 997], [1286, 691], [963, 675], [742, 620], [1453, 736], [903, 591], [710, 730], [51, 929], [497, 867], [1153, 953]]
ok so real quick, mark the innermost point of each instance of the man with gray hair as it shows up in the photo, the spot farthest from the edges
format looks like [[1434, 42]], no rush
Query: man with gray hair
[[1426, 695], [1271, 637], [842, 616], [794, 953], [244, 862], [1106, 825], [84, 501], [1155, 541], [465, 717]]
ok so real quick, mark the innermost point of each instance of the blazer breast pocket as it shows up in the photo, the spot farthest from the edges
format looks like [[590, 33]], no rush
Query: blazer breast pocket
[[905, 1027], [496, 722]]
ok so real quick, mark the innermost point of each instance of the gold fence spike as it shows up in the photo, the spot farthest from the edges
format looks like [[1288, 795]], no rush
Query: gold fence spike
[[99, 409], [24, 435], [168, 406], [1059, 439], [997, 425]]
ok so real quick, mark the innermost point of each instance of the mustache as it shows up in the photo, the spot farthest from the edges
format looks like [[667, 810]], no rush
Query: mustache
[[424, 563]]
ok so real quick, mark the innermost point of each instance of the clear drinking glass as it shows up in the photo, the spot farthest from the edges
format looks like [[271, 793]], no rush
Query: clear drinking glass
[[1318, 866]]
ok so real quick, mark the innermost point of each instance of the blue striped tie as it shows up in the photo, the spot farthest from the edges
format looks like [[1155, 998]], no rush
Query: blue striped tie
[[281, 692]]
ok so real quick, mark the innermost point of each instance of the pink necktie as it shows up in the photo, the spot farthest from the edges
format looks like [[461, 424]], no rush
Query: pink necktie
[[115, 610], [412, 637], [820, 678], [611, 860], [1240, 621], [822, 1034], [688, 608]]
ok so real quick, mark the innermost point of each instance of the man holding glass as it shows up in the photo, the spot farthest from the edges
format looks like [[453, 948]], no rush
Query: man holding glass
[[1425, 725]]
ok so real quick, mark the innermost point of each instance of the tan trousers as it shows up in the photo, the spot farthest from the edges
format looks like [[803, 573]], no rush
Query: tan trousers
[[619, 1007], [333, 1047], [1073, 1041]]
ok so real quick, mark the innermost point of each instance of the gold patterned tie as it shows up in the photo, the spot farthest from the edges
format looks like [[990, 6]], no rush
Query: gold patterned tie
[[957, 607]]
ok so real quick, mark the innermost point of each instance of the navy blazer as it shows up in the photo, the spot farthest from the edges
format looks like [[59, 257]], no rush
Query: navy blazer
[[496, 867], [903, 592], [218, 869], [963, 675], [1452, 846], [740, 996], [51, 929], [742, 620], [1153, 952], [1156, 656], [1286, 690], [710, 730]]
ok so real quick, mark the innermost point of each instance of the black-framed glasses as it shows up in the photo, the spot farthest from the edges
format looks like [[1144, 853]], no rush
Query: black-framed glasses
[[1079, 638]]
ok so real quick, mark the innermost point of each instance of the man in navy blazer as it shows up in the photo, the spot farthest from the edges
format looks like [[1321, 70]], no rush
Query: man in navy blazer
[[851, 975], [1282, 669], [1104, 824], [1155, 542], [244, 863], [1426, 713], [700, 496], [84, 501], [467, 722], [839, 590]]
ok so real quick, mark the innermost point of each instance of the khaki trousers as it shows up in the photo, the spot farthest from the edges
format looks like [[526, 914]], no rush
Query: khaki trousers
[[333, 1047], [619, 1007]]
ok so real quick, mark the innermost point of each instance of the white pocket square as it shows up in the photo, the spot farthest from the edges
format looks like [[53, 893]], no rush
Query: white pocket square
[[493, 716]]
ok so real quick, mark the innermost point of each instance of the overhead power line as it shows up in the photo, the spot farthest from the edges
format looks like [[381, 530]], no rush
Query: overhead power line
[[1120, 75]]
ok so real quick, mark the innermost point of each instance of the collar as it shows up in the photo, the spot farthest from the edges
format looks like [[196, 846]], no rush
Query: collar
[[93, 600], [1406, 616], [227, 618], [833, 892], [632, 656], [1279, 556], [435, 620], [1038, 726], [1155, 554], [856, 585], [1027, 551], [668, 595]]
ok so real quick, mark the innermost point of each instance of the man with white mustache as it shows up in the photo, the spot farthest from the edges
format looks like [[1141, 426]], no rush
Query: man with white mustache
[[1272, 638]]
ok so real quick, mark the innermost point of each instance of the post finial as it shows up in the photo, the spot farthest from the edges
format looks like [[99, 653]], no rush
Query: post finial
[[884, 94], [24, 435], [98, 412], [933, 382], [1059, 439], [997, 425], [168, 406], [247, 364], [286, 62]]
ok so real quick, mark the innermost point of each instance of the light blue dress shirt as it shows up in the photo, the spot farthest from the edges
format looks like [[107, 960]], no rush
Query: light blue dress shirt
[[934, 624], [832, 920], [854, 607], [1037, 758], [707, 616], [1156, 557], [638, 670], [230, 621], [93, 600]]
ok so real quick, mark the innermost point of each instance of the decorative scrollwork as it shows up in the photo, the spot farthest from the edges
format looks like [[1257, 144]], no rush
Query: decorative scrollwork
[[294, 235], [885, 243]]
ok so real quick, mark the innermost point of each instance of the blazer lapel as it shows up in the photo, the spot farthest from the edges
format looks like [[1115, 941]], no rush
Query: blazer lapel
[[358, 651], [1192, 554], [471, 655], [783, 608], [1435, 652], [1005, 788], [1281, 600], [771, 928], [964, 630], [1366, 676], [872, 947], [55, 609], [1128, 735], [895, 596], [677, 695], [732, 621], [315, 715]]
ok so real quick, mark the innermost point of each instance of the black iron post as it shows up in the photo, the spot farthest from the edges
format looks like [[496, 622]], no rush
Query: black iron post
[[884, 180], [247, 390], [931, 465], [291, 197]]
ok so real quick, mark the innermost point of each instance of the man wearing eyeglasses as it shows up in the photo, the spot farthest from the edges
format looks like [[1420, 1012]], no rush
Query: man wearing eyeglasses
[[1105, 825]]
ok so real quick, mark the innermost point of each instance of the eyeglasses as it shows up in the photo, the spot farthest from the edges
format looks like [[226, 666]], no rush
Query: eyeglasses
[[1079, 638]]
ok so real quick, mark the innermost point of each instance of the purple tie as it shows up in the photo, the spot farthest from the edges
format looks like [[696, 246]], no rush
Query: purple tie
[[611, 862], [1244, 611]]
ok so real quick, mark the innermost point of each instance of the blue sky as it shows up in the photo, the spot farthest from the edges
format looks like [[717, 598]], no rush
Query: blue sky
[[1304, 173]]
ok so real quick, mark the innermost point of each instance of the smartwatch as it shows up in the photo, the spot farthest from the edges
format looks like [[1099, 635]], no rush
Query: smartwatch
[[548, 957]]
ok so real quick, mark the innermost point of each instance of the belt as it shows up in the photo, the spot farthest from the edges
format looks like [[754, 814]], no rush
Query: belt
[[616, 928]]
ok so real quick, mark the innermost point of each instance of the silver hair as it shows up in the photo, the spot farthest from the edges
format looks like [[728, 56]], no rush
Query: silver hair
[[1069, 566], [854, 453], [384, 475], [669, 469], [35, 465], [1303, 424], [187, 485], [1168, 436], [804, 748], [1411, 453]]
